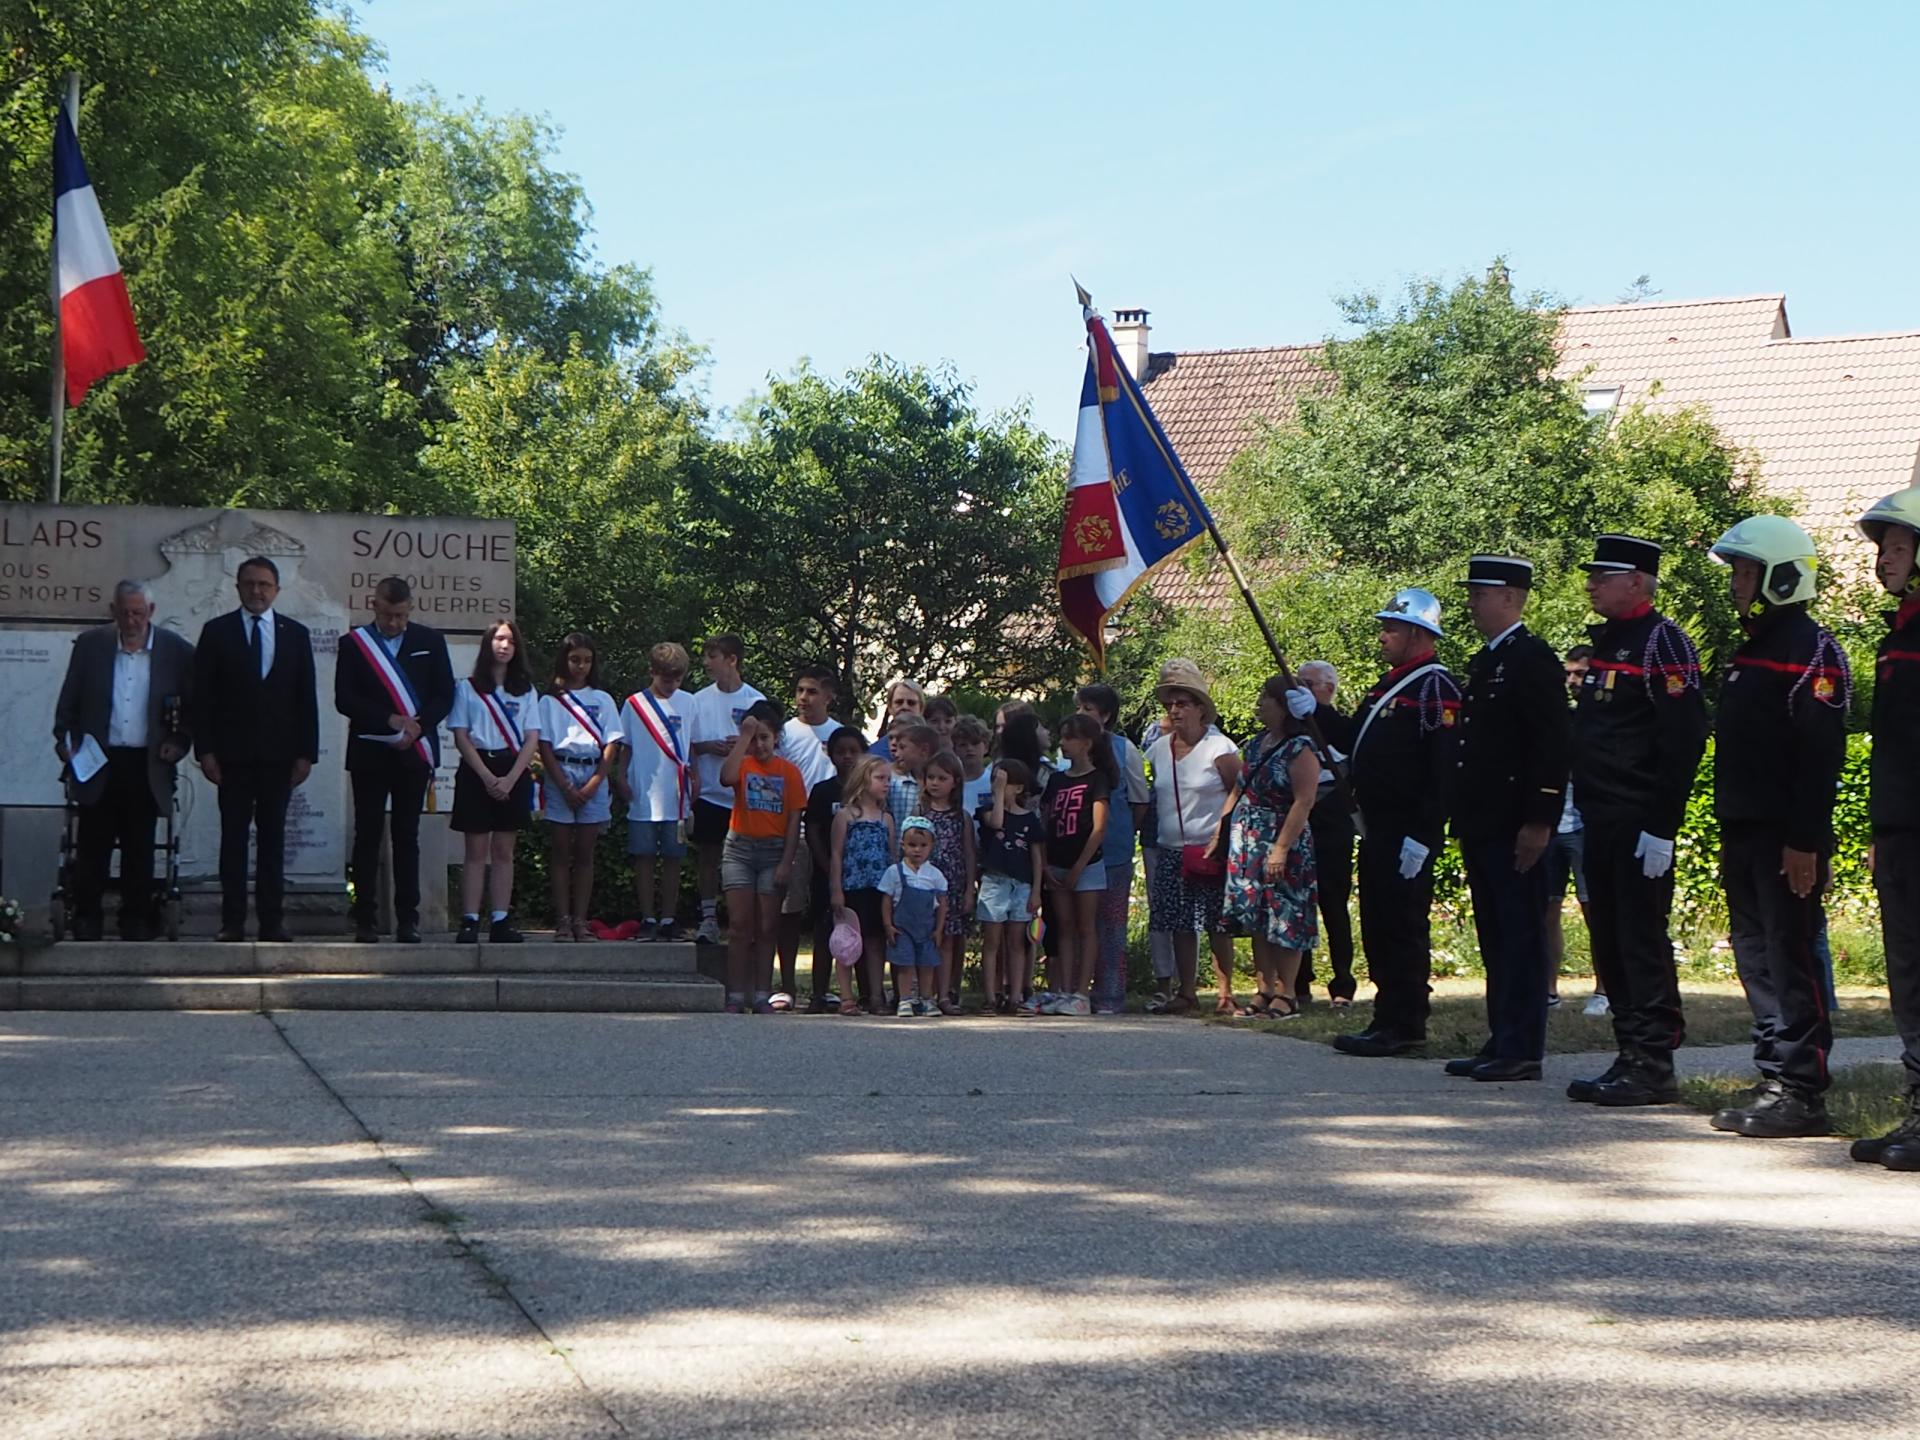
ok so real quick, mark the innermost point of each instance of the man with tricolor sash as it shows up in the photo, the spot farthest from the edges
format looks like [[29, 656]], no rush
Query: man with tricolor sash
[[394, 683]]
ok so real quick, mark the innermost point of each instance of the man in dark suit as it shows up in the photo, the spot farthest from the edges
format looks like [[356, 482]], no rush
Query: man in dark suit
[[1510, 782], [128, 689], [257, 731], [394, 684]]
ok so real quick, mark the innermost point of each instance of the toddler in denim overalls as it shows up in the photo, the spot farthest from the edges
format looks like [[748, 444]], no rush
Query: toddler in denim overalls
[[916, 901]]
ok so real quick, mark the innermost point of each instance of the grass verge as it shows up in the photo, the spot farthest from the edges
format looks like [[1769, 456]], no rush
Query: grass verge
[[1716, 1015], [1863, 1099]]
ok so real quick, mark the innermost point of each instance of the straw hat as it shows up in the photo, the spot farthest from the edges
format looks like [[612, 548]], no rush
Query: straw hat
[[1184, 676]]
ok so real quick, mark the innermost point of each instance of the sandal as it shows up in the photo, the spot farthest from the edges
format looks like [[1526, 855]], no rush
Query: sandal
[[1157, 1003], [563, 929], [1259, 1008], [851, 1007], [582, 933], [1226, 1005], [1341, 1002], [1178, 1005], [1283, 1007]]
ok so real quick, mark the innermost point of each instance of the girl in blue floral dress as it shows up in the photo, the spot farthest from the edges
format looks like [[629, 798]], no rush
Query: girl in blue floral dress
[[1272, 894]]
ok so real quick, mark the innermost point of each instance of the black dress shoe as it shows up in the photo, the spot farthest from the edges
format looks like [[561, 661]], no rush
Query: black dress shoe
[[1464, 1066], [1781, 1113], [1377, 1044], [231, 934], [1638, 1087], [1872, 1150], [1585, 1090], [1507, 1070], [275, 935], [90, 928], [365, 934], [407, 934], [469, 933], [1904, 1156], [501, 933]]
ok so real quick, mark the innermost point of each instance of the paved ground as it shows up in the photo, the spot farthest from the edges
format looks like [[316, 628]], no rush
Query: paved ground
[[696, 1226]]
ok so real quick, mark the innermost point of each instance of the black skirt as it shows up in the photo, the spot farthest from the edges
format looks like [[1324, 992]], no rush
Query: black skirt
[[475, 812]]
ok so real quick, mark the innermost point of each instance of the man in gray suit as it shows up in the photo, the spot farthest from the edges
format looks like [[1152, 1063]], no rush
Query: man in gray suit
[[127, 688]]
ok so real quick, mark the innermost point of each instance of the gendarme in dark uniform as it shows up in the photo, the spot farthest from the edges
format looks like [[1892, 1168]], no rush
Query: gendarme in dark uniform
[[1509, 780], [1780, 743], [1639, 728], [1893, 805], [1402, 761]]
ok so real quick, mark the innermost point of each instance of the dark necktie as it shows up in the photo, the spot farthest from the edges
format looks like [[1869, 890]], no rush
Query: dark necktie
[[253, 644]]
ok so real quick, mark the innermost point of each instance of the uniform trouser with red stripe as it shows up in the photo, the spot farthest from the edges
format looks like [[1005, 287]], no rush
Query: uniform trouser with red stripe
[[1773, 932], [1632, 952], [1896, 875]]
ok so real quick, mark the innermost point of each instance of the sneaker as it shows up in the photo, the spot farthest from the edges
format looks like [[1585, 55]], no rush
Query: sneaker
[[501, 933], [708, 933], [764, 1007], [924, 1007], [1073, 1005], [905, 1009], [1553, 1002], [1596, 1005], [736, 1007], [1028, 1006], [469, 933], [780, 1002], [643, 931], [832, 997], [1004, 1005]]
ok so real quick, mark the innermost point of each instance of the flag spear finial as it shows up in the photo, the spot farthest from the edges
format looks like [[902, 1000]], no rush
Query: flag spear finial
[[1086, 300]]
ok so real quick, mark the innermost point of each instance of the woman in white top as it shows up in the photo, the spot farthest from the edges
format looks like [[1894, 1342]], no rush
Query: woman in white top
[[579, 742], [496, 726], [1195, 767]]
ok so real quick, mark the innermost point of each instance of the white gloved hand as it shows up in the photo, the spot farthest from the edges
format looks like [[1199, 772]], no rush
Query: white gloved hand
[[1300, 702], [1412, 856], [1654, 854]]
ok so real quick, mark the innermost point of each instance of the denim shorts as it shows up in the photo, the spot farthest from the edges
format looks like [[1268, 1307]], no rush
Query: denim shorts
[[1566, 860], [1094, 877], [1003, 900], [650, 838], [749, 864]]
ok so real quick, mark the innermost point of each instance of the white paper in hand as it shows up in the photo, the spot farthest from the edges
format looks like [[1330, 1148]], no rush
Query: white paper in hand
[[88, 759]]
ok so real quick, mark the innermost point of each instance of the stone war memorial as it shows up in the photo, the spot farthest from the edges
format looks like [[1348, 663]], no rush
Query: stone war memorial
[[58, 569]]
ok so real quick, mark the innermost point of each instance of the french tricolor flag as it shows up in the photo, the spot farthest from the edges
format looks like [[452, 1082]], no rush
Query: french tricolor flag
[[97, 333]]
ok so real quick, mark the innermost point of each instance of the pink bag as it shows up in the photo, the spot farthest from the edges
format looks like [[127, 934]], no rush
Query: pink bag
[[845, 943]]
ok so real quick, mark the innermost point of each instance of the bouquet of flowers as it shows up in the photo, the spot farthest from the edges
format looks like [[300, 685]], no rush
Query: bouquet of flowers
[[10, 917]]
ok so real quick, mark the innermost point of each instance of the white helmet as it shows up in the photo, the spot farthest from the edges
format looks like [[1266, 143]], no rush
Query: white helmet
[[1901, 508], [1784, 552], [1415, 607]]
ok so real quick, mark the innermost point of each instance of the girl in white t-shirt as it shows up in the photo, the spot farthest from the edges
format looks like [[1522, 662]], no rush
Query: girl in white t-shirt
[[1195, 767], [496, 726], [579, 746]]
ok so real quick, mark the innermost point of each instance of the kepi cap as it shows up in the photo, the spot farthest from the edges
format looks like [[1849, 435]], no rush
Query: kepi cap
[[1625, 552], [1506, 571]]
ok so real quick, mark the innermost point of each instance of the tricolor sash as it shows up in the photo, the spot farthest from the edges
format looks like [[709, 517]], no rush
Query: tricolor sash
[[509, 729], [583, 714], [653, 716], [394, 681]]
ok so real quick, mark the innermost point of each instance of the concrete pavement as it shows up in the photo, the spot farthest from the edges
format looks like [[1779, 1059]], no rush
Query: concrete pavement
[[705, 1225]]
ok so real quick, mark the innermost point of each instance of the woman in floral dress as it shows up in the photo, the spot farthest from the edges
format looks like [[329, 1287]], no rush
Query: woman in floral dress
[[1271, 889]]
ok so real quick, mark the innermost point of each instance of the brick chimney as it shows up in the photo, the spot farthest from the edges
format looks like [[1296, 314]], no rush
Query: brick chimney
[[1130, 340]]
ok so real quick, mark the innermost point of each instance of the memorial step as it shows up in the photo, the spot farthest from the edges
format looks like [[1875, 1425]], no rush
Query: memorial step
[[556, 991], [538, 956]]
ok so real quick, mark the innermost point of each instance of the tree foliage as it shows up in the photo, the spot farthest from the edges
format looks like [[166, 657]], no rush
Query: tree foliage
[[878, 524]]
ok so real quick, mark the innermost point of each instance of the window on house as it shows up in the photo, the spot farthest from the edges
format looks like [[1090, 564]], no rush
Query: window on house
[[1600, 401]]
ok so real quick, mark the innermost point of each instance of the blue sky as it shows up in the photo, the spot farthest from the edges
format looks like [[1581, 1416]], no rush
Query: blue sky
[[833, 179]]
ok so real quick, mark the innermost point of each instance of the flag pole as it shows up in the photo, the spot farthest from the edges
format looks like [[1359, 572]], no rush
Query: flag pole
[[59, 397]]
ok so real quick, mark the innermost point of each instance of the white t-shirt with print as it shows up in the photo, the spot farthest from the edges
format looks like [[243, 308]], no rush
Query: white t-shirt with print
[[562, 729], [471, 713], [650, 773], [717, 715]]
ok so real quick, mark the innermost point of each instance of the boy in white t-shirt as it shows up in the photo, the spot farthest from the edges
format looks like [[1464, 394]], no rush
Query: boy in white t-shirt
[[717, 712], [656, 781]]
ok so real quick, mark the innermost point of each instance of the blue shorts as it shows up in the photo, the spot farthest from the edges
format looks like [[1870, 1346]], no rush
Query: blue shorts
[[650, 838], [1003, 900], [1094, 877], [1566, 860], [911, 953]]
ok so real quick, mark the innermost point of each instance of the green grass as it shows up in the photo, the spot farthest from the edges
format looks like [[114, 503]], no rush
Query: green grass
[[1717, 1014], [1863, 1099]]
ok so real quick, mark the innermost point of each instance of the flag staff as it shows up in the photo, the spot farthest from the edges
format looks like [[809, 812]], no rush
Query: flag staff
[[59, 399]]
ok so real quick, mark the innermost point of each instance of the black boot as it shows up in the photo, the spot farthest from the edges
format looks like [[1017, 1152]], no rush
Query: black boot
[[1638, 1085], [1907, 1133], [1585, 1090], [1378, 1043], [1734, 1115], [1782, 1113]]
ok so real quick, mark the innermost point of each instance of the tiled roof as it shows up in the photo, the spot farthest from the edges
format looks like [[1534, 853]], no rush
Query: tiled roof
[[1211, 404], [1835, 421]]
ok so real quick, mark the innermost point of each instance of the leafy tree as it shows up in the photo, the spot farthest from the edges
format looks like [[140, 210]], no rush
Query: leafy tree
[[879, 525]]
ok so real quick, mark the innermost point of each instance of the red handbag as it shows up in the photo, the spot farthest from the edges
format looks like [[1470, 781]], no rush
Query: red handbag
[[1199, 864]]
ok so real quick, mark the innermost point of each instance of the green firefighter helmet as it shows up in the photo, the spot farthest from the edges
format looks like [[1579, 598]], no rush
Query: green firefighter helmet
[[1784, 552]]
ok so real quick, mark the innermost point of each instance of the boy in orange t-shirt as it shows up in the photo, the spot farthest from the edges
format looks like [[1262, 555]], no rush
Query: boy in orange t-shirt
[[769, 796]]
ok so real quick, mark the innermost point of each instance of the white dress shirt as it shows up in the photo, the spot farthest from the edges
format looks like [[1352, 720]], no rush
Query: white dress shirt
[[265, 621], [132, 684], [1497, 641]]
